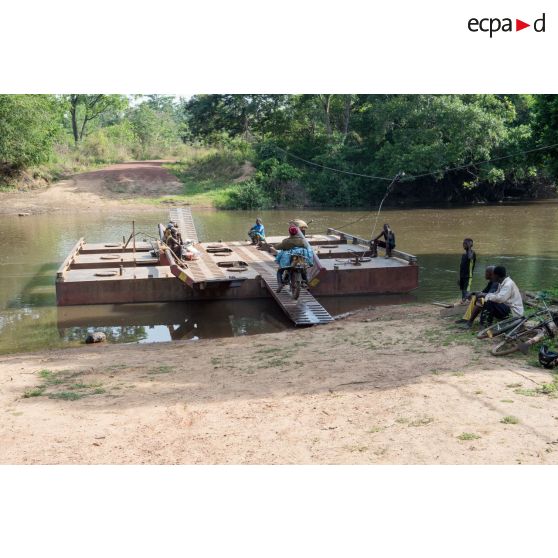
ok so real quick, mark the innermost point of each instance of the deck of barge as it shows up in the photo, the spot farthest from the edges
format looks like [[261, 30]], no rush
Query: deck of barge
[[115, 273]]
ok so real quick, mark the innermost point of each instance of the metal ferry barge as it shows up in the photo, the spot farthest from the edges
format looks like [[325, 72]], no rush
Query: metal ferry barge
[[137, 272]]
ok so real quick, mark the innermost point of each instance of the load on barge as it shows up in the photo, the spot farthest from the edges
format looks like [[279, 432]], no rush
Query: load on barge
[[139, 271]]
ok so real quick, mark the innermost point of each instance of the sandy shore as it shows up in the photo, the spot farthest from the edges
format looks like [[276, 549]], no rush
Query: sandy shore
[[387, 385], [114, 188]]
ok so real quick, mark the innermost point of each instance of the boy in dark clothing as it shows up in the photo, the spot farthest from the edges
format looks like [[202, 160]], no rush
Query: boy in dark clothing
[[389, 239], [466, 268]]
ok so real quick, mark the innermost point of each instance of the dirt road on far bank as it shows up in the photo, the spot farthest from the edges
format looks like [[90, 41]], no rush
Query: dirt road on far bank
[[114, 187], [387, 385]]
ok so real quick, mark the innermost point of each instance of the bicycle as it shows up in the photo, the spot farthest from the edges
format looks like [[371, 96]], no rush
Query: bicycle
[[503, 326], [508, 324], [522, 336]]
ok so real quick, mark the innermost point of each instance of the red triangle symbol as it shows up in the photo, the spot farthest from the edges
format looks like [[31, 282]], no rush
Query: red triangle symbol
[[519, 25]]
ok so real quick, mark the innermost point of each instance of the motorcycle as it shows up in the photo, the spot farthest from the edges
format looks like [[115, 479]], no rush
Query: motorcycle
[[295, 276]]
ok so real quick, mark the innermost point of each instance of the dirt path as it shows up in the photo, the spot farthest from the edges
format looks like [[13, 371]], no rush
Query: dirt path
[[388, 385], [114, 187]]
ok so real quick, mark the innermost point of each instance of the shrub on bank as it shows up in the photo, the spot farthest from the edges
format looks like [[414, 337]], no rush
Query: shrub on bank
[[280, 181], [246, 195], [27, 130]]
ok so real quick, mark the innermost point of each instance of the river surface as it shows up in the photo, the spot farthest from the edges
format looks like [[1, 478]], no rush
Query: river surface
[[522, 237]]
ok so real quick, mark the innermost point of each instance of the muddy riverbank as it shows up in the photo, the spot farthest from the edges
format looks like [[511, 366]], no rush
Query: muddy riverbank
[[386, 385], [116, 188]]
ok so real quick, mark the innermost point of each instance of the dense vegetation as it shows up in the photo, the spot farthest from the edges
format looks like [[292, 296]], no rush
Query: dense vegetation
[[380, 135], [440, 142], [46, 136]]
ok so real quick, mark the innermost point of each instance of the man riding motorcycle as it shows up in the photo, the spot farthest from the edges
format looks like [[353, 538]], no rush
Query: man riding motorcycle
[[294, 245], [302, 225]]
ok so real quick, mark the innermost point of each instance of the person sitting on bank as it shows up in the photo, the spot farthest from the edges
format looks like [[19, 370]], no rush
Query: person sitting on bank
[[506, 301], [302, 225], [294, 244], [389, 239], [257, 232], [466, 268], [476, 303]]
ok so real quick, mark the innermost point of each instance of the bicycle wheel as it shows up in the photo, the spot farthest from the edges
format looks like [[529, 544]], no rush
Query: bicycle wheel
[[499, 328], [510, 345]]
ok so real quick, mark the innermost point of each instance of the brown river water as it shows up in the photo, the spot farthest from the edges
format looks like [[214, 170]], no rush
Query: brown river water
[[522, 237]]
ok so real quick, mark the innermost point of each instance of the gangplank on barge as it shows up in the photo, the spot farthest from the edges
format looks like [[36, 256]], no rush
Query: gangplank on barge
[[139, 271]]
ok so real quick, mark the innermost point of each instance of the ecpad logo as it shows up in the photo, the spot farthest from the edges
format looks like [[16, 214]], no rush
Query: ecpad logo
[[494, 24]]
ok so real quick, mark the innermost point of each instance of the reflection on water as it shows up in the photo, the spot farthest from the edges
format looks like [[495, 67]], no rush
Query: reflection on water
[[521, 237], [171, 320]]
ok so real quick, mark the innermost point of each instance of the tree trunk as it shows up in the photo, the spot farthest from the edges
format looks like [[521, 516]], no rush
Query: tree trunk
[[326, 103], [73, 112], [346, 116], [245, 125], [83, 127]]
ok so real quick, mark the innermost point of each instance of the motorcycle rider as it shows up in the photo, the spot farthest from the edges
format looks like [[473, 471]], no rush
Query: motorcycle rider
[[302, 225], [294, 244]]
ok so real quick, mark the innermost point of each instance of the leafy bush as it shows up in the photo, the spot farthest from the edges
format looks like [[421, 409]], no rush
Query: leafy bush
[[112, 144], [278, 180], [241, 149], [208, 166], [265, 150], [97, 147], [246, 195], [156, 132], [29, 126], [332, 191]]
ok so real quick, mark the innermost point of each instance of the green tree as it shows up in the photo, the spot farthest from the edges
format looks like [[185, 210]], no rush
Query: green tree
[[546, 128], [86, 108], [29, 126], [441, 142], [156, 131], [234, 115]]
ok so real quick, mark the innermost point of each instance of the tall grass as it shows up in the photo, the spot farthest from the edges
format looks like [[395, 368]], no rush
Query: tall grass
[[209, 174], [102, 147]]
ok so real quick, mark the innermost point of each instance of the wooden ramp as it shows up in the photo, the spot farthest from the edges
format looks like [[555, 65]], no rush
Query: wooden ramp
[[204, 271], [303, 312], [182, 216]]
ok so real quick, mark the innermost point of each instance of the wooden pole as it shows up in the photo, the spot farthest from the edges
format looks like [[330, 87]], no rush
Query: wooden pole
[[134, 240]]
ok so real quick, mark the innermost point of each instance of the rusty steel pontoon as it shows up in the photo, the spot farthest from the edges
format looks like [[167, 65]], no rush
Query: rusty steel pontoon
[[130, 272]]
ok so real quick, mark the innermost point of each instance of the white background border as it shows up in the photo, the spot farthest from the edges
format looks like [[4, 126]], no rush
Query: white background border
[[291, 46], [253, 511], [257, 46]]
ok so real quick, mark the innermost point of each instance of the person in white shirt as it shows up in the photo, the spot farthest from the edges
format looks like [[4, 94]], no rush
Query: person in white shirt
[[506, 301]]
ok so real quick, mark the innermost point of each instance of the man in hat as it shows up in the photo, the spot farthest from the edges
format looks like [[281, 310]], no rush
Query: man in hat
[[294, 244], [302, 225]]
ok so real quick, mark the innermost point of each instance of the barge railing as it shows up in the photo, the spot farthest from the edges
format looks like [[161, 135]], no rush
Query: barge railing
[[364, 242], [65, 266]]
